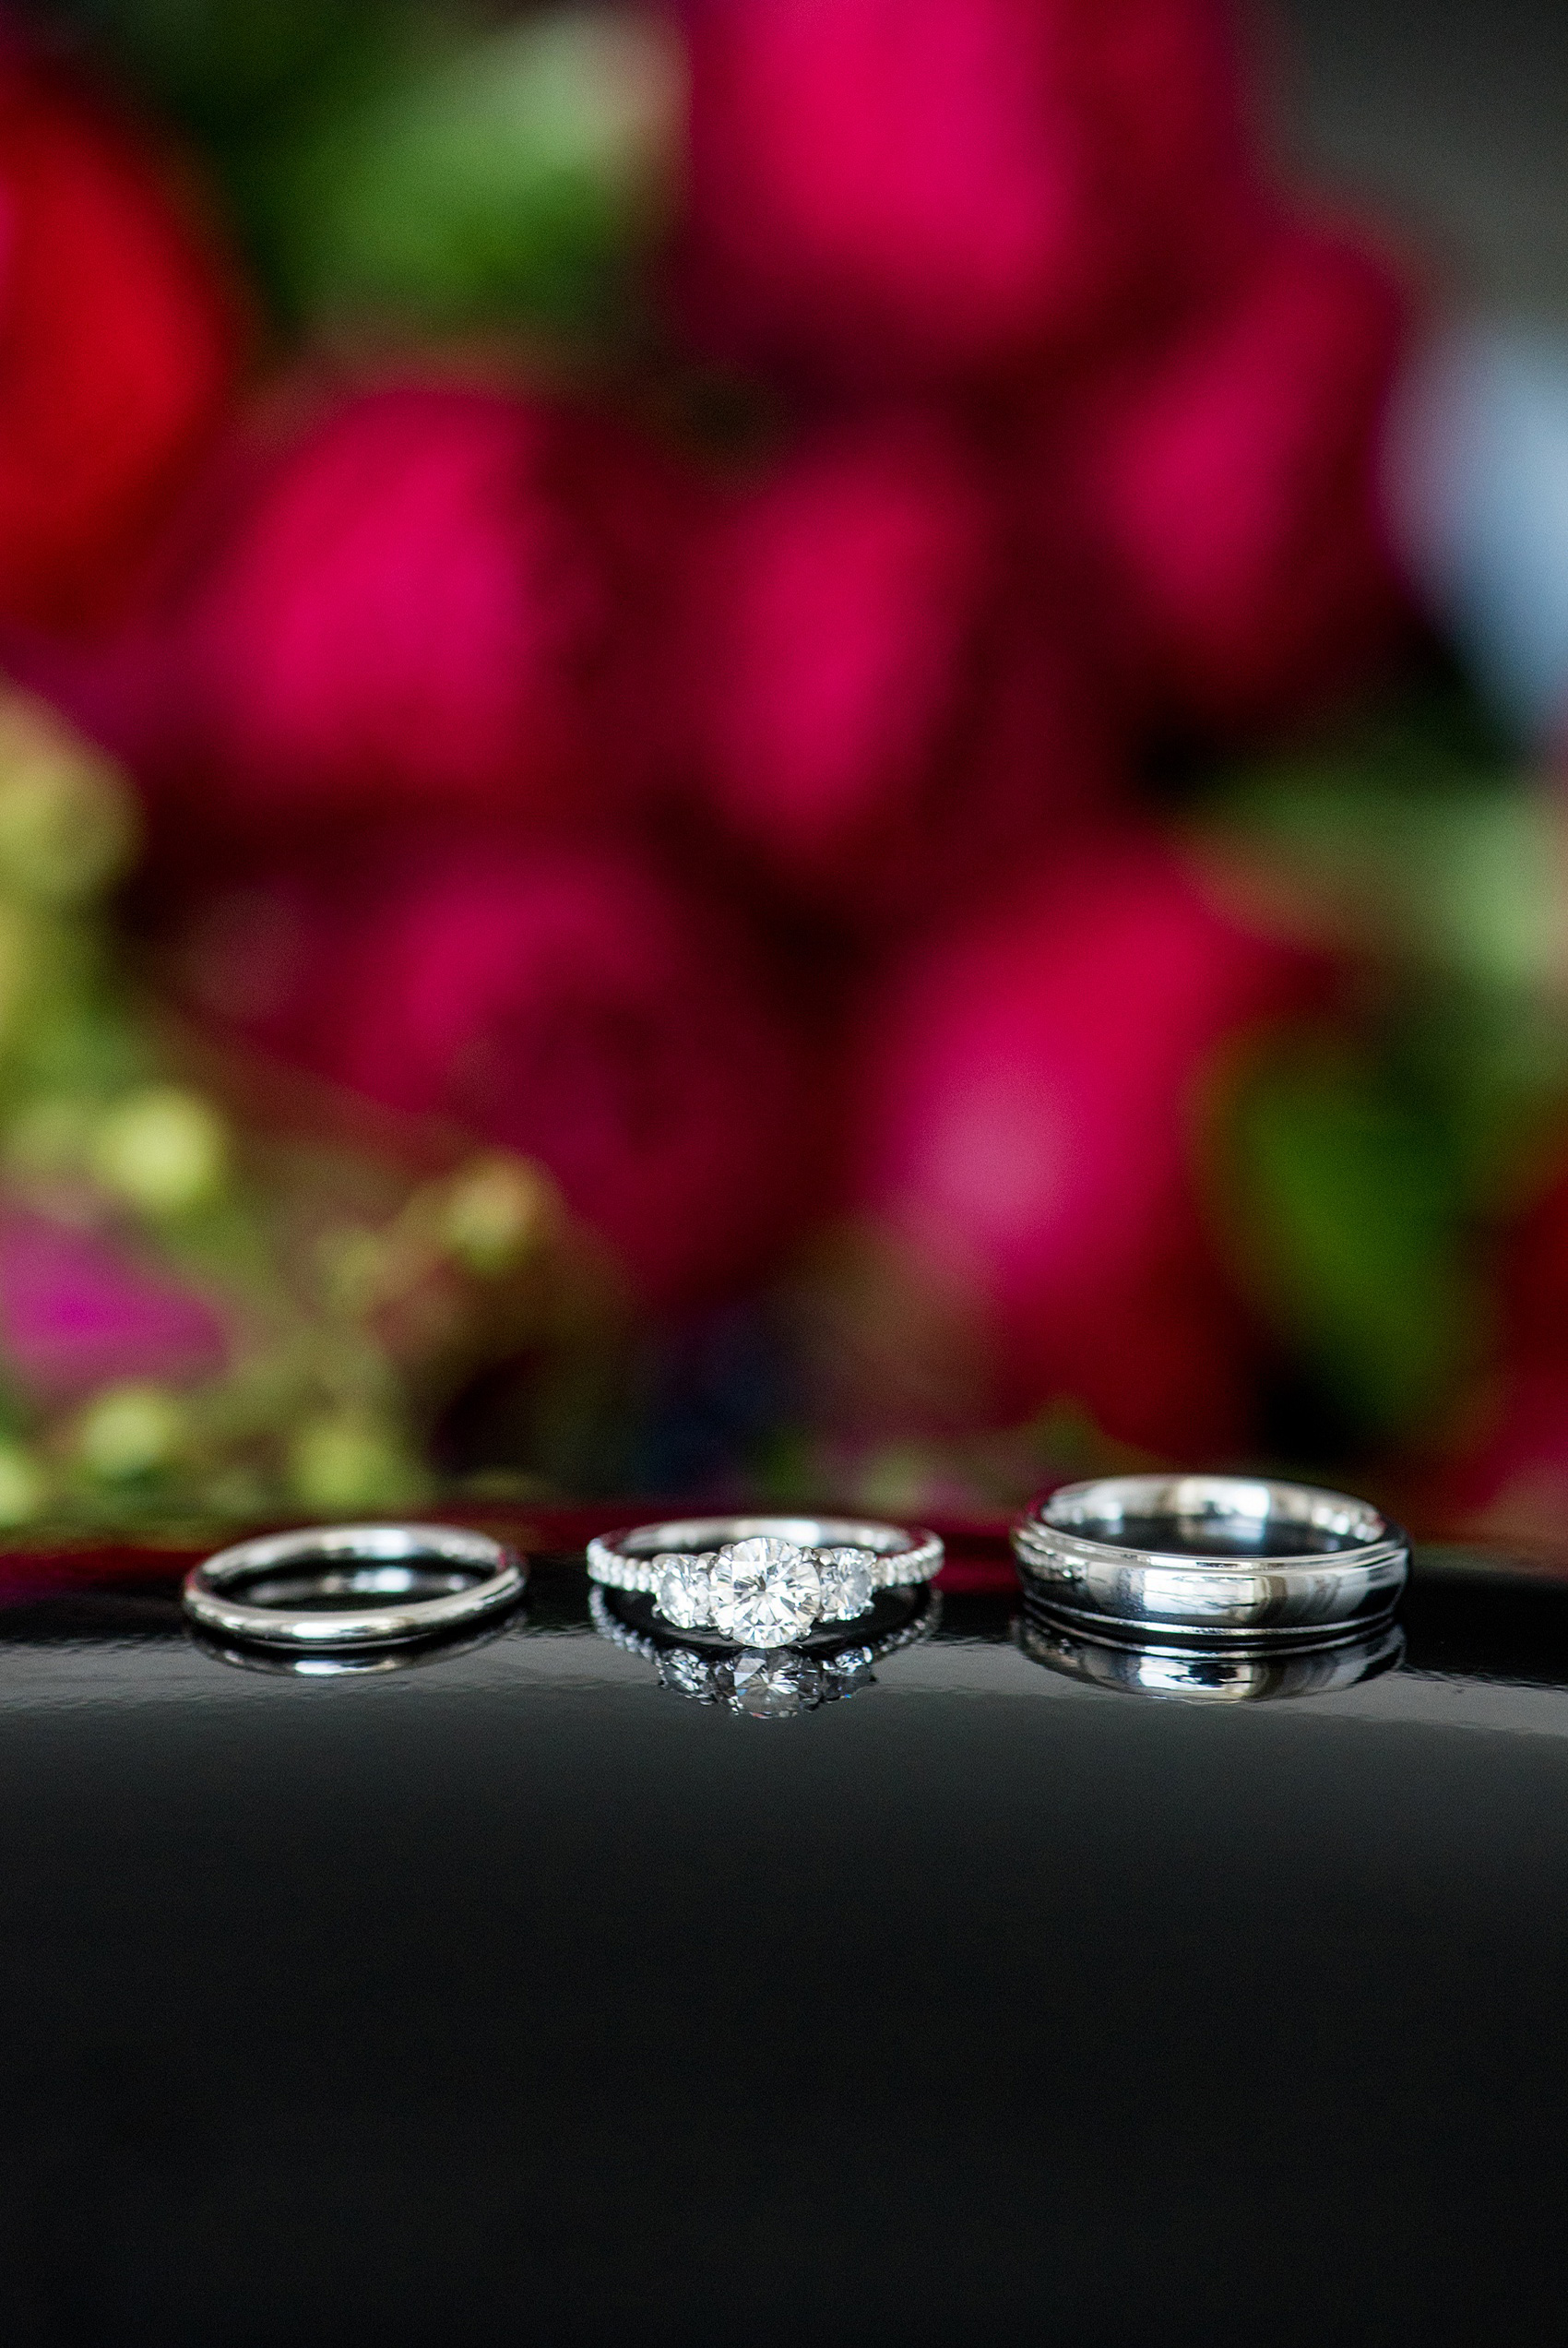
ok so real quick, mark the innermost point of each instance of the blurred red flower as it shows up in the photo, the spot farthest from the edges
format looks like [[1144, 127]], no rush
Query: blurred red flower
[[1512, 1473], [77, 1311], [568, 1004], [879, 705], [437, 597], [121, 338], [1030, 1092], [1228, 485], [908, 189], [1512, 1481]]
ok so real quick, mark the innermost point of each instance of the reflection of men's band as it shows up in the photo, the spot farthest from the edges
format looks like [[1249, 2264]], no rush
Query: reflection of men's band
[[766, 1685], [1227, 1676]]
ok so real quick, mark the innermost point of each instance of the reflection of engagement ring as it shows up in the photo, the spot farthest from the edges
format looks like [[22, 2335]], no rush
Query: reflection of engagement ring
[[766, 1685], [1229, 1675], [353, 1586], [1205, 1558], [762, 1581]]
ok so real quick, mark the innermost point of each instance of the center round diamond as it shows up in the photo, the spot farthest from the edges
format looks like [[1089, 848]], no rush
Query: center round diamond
[[765, 1592]]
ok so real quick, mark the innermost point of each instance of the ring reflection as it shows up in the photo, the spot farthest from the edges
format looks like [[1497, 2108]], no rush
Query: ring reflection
[[1208, 1675]]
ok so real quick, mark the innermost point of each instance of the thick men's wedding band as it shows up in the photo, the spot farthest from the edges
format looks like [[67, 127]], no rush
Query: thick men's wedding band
[[762, 1581], [1212, 1557], [356, 1585]]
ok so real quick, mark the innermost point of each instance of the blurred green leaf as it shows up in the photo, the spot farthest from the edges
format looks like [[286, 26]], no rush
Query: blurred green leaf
[[1349, 1211], [218, 65], [516, 176]]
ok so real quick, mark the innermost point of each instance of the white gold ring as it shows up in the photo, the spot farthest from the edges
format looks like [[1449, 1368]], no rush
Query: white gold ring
[[762, 1581], [353, 1586], [1225, 1558]]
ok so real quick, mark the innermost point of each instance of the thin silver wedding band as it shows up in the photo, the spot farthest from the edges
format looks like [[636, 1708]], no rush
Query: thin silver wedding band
[[1212, 1557], [255, 1590]]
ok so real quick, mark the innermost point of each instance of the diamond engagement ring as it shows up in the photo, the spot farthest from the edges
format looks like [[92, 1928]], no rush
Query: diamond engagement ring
[[1207, 1558], [762, 1581]]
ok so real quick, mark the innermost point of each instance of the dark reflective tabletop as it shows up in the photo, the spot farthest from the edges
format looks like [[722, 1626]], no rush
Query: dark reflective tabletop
[[1003, 1992]]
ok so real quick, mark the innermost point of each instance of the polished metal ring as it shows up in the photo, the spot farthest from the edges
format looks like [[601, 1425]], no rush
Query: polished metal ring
[[762, 1581], [353, 1586], [1211, 1557]]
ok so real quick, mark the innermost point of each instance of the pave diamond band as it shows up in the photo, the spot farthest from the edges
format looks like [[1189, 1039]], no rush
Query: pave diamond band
[[762, 1581]]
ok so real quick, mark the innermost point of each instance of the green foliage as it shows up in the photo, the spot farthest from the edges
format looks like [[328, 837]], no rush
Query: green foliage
[[1349, 1209], [518, 176], [224, 66], [1437, 874], [351, 1289], [415, 165]]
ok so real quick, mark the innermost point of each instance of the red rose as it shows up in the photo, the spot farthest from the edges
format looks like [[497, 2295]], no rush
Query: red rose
[[1031, 1094], [120, 343], [879, 708], [1228, 484], [436, 599], [566, 1005], [905, 188]]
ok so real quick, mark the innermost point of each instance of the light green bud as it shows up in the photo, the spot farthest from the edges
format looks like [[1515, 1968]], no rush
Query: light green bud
[[22, 1486], [353, 1268], [49, 1139], [163, 1149], [494, 1211], [130, 1431], [67, 821], [347, 1459]]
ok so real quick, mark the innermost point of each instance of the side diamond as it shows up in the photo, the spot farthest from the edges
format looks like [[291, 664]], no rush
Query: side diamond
[[845, 1576], [681, 1589]]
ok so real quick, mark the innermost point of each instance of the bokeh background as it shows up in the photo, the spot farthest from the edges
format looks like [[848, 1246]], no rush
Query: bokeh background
[[781, 747]]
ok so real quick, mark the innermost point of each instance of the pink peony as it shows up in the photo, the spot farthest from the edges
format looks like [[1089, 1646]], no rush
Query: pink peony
[[1228, 487], [1031, 1094], [435, 598], [120, 343], [569, 1006], [78, 1312], [879, 708], [900, 190]]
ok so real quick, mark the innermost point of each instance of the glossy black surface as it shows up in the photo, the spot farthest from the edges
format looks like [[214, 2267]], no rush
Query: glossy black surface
[[515, 1996]]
